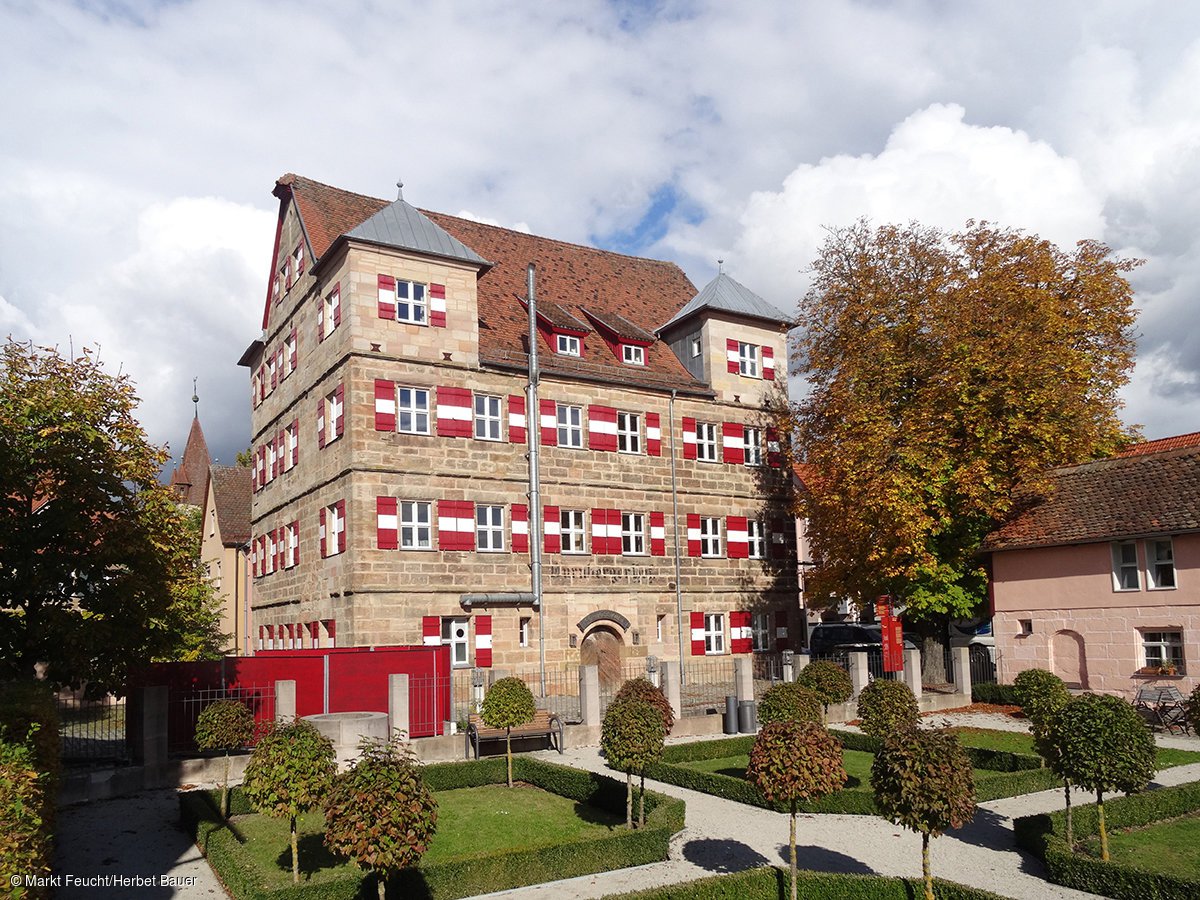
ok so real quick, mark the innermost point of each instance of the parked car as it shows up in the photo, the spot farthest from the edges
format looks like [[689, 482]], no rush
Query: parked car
[[976, 635], [840, 638]]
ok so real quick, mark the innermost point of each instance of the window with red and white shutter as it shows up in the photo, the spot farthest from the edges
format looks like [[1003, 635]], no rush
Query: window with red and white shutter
[[774, 448], [697, 627], [483, 642], [321, 423], [385, 405], [551, 530], [653, 435], [741, 636], [658, 534], [454, 415], [768, 363], [437, 305], [733, 356], [602, 428], [737, 538], [689, 438], [520, 528], [733, 443], [456, 524], [340, 410], [693, 534], [387, 297], [548, 422], [431, 631], [387, 527], [517, 422], [293, 348], [606, 531]]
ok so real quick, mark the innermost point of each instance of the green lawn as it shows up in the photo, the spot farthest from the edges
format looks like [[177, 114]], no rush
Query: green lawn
[[1021, 742], [1166, 847], [471, 822]]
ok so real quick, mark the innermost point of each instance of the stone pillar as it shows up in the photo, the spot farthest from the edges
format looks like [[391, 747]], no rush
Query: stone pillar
[[792, 664], [285, 701], [154, 726], [912, 671], [398, 704], [962, 671], [743, 678], [670, 684], [589, 695], [859, 674]]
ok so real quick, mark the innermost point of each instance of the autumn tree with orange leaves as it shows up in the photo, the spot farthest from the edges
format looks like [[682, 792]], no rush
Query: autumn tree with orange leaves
[[946, 369]]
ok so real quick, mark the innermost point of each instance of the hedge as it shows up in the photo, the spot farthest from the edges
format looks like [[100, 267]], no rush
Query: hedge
[[464, 877], [999, 694], [769, 883], [1042, 836]]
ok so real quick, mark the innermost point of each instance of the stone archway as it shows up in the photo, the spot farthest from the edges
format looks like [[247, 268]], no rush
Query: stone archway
[[1068, 658], [603, 648]]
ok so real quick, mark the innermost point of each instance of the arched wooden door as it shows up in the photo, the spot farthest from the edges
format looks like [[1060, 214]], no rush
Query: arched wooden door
[[1068, 659], [602, 648]]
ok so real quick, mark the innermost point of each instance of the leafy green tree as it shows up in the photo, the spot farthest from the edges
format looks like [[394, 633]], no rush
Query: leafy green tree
[[789, 702], [1103, 745], [643, 689], [886, 706], [631, 737], [224, 725], [1191, 709], [795, 760], [922, 780], [1040, 693], [947, 369], [828, 680], [290, 772], [380, 813], [94, 572], [507, 704]]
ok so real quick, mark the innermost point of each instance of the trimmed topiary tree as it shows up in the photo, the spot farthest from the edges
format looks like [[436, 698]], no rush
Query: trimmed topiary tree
[[631, 737], [642, 689], [290, 772], [827, 680], [789, 702], [792, 761], [885, 707], [1191, 709], [380, 813], [922, 780], [1103, 745], [507, 704], [225, 725], [1040, 693]]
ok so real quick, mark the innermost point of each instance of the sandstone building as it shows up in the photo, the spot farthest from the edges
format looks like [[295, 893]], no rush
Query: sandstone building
[[390, 429]]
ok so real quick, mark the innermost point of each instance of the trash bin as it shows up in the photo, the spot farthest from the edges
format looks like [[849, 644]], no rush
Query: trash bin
[[731, 714], [747, 717]]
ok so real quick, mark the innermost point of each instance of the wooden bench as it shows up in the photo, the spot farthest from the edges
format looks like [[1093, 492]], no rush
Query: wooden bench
[[545, 724], [1162, 706]]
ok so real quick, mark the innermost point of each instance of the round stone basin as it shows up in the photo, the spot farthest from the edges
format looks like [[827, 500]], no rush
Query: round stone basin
[[346, 729]]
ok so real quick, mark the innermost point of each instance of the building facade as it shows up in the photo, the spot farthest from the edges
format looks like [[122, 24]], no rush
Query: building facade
[[391, 427], [225, 552]]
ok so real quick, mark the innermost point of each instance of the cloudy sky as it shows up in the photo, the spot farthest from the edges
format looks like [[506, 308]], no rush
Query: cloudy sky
[[139, 142]]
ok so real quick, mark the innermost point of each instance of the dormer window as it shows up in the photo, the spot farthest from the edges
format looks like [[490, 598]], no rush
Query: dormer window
[[696, 347], [633, 354], [748, 359], [567, 345]]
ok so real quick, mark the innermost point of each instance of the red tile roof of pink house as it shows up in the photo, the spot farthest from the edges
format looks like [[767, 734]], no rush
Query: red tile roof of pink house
[[1125, 496], [1167, 443]]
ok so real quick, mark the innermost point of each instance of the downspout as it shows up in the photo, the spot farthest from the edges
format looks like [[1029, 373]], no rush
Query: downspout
[[245, 579], [533, 422], [675, 523]]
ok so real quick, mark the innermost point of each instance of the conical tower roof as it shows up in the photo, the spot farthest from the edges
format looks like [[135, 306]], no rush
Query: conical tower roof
[[724, 294], [190, 478]]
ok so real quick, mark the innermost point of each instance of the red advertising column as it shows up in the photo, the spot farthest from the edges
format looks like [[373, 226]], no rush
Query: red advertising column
[[893, 635]]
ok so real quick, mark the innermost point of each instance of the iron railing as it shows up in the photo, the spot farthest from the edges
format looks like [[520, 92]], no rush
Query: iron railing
[[92, 731], [185, 705]]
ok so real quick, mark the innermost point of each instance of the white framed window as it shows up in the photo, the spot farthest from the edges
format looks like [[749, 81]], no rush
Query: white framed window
[[756, 536], [710, 536], [335, 524], [272, 461], [489, 528], [633, 355], [487, 417], [571, 531], [633, 534], [752, 441], [329, 320], [293, 544], [1160, 564], [748, 359], [570, 426], [523, 632], [285, 275], [298, 261], [277, 288], [289, 350], [454, 634], [412, 410], [658, 625], [1125, 566], [760, 631], [412, 304], [697, 347], [291, 440], [706, 442], [567, 345], [272, 376], [629, 432], [1163, 648], [271, 555], [333, 412], [416, 530], [714, 633]]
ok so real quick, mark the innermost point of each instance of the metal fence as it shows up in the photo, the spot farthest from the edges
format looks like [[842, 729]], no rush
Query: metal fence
[[706, 684], [980, 663], [92, 731], [185, 705]]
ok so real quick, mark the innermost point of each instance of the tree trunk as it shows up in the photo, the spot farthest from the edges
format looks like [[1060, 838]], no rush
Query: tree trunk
[[629, 799], [925, 872], [295, 855], [381, 883], [508, 752], [1103, 830], [225, 789], [930, 634], [642, 802], [792, 848], [1070, 828]]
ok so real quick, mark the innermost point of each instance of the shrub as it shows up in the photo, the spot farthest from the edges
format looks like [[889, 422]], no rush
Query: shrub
[[1040, 694], [827, 680], [379, 812], [1191, 709], [923, 781], [789, 702], [885, 707], [290, 772], [507, 704], [999, 694], [642, 689], [631, 737], [225, 725], [24, 839], [792, 761]]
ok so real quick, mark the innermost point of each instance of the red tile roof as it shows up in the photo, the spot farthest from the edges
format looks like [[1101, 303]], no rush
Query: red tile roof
[[232, 496], [1167, 443], [190, 478]]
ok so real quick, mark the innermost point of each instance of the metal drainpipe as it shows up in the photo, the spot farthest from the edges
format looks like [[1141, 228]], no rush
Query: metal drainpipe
[[533, 422], [675, 523], [245, 579]]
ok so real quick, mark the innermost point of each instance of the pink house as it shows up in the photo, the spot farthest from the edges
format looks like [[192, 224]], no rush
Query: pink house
[[1098, 580]]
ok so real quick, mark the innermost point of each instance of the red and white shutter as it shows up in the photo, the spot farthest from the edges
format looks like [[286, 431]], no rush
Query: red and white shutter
[[736, 537], [437, 305], [602, 428], [733, 443], [693, 534], [300, 258], [385, 405], [778, 539], [262, 465], [320, 319], [296, 445], [741, 638], [774, 449], [341, 538], [281, 451], [262, 636], [483, 642], [387, 297], [274, 369], [280, 548], [431, 631], [295, 347], [321, 422], [697, 620], [600, 531], [520, 528], [453, 412], [296, 548], [321, 530], [270, 637], [732, 356], [548, 421], [658, 534], [781, 631], [387, 529], [516, 419], [689, 438], [254, 470], [768, 363], [254, 557], [551, 530], [314, 634], [337, 305], [340, 424], [614, 531], [456, 525], [653, 435]]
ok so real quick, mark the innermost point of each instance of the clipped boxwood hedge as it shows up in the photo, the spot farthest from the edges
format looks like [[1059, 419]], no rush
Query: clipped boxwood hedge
[[1043, 836], [464, 877], [769, 883], [999, 694]]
